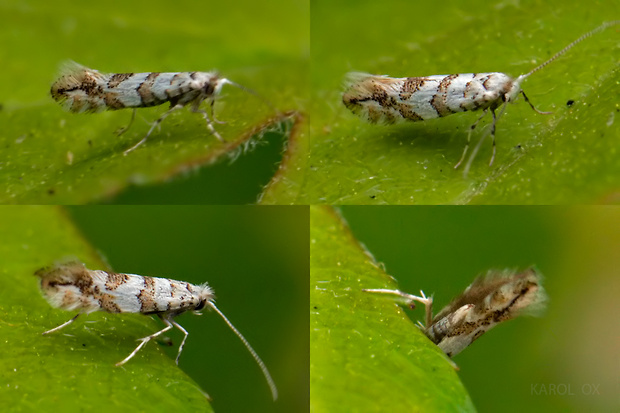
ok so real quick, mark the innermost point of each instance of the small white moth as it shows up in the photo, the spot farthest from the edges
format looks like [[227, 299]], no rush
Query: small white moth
[[383, 99], [71, 286], [80, 89], [488, 301]]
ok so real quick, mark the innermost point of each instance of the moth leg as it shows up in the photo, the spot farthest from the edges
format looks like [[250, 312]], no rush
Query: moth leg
[[205, 115], [174, 323], [146, 340], [428, 305], [409, 300], [493, 135], [532, 106], [63, 324], [471, 129], [155, 124], [213, 113], [123, 130]]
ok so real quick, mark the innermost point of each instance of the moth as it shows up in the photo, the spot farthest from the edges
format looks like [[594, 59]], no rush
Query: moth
[[81, 89], [383, 99], [487, 302], [71, 286]]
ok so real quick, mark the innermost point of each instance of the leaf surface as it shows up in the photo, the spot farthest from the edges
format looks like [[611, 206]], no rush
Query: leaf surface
[[366, 354]]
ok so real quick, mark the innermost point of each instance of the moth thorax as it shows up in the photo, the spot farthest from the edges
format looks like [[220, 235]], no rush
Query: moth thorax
[[205, 295], [514, 89]]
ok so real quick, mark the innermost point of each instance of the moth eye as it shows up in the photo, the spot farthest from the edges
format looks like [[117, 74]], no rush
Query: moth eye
[[200, 305], [209, 89]]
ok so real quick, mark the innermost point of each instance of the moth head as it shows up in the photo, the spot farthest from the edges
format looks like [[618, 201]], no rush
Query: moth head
[[514, 89], [216, 84], [205, 295]]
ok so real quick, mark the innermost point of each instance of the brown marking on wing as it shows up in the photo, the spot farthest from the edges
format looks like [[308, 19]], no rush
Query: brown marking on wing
[[439, 101], [115, 280], [408, 113], [145, 89], [68, 299], [77, 276], [147, 296], [374, 115], [107, 303], [411, 85], [117, 78], [112, 101]]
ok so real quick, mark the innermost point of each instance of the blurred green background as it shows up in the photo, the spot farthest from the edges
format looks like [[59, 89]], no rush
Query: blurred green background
[[572, 348], [256, 260]]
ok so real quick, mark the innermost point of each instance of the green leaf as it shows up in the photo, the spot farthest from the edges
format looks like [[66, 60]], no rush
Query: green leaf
[[289, 184], [366, 353], [52, 156], [567, 157], [74, 367]]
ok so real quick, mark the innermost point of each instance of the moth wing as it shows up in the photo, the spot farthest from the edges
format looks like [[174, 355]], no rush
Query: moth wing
[[75, 85]]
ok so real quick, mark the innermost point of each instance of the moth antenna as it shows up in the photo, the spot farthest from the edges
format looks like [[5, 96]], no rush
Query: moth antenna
[[272, 385], [250, 91], [479, 144], [570, 46]]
